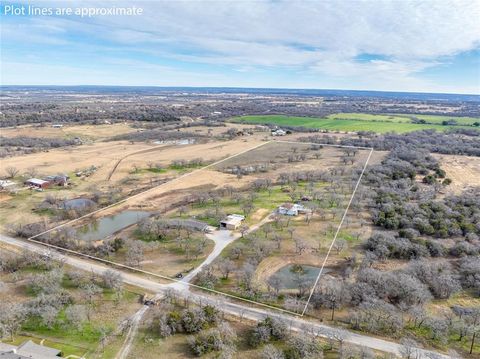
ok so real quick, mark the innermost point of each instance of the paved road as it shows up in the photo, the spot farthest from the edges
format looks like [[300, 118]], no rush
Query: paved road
[[229, 307], [221, 239]]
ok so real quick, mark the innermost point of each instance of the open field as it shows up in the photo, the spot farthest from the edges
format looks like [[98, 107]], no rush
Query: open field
[[85, 132], [208, 152], [100, 154], [464, 171], [403, 118], [104, 156], [358, 122]]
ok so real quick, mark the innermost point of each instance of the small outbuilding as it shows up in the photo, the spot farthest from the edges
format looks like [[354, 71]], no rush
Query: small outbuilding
[[59, 180], [37, 183], [190, 224], [6, 184], [292, 209], [279, 132], [232, 221]]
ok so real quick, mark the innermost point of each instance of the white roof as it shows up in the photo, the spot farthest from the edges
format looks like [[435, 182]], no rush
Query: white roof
[[32, 350], [37, 181], [233, 219], [239, 216], [290, 206], [5, 183]]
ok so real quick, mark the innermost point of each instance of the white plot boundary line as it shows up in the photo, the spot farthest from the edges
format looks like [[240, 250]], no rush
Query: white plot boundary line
[[337, 232], [32, 238], [144, 192]]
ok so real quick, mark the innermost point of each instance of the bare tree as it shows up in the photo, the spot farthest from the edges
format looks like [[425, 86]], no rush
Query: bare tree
[[226, 266], [48, 313], [300, 245], [267, 229], [305, 347], [11, 318], [409, 348], [339, 245], [76, 315], [11, 171], [243, 229], [236, 252], [135, 253], [331, 294], [275, 283], [31, 172], [271, 352], [90, 291]]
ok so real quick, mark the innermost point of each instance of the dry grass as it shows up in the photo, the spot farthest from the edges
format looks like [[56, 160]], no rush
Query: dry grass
[[101, 154], [208, 152], [464, 171], [95, 132]]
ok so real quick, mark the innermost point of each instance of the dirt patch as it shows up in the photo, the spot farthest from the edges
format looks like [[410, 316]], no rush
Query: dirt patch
[[259, 214], [464, 171], [4, 197], [82, 131], [208, 152], [102, 155]]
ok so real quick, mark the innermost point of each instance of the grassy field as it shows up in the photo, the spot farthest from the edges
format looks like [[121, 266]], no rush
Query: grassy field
[[354, 122], [403, 118]]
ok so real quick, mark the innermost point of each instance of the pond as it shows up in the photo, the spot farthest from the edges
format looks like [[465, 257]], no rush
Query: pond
[[291, 274], [106, 226]]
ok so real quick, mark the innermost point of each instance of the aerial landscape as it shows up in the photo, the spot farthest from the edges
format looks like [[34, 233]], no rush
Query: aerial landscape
[[163, 197]]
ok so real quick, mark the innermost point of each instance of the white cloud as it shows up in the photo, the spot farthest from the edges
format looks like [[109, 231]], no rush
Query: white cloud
[[402, 29], [318, 37]]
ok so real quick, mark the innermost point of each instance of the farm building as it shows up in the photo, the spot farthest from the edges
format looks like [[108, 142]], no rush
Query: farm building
[[37, 183], [5, 184], [28, 349], [232, 221], [60, 180], [279, 132], [190, 224], [291, 209]]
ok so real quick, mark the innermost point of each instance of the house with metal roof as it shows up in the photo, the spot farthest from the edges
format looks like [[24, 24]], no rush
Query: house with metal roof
[[28, 350], [232, 221], [37, 183], [292, 209]]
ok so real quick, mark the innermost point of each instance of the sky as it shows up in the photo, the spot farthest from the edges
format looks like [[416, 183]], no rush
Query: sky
[[414, 46]]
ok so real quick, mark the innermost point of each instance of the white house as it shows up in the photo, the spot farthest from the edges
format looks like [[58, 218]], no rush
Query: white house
[[292, 209], [279, 132]]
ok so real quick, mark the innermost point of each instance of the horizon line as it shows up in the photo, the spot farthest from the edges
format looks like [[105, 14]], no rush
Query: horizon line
[[248, 88]]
